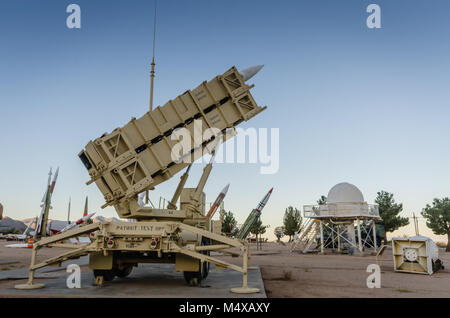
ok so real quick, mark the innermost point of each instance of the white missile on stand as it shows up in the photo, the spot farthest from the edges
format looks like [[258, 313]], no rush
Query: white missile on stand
[[48, 186], [77, 223], [41, 215], [218, 201], [54, 181], [41, 226]]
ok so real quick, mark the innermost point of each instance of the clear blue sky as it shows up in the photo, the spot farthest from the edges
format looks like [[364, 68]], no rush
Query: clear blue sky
[[370, 107]]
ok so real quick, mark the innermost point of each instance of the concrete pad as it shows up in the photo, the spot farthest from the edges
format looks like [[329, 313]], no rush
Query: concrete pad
[[7, 262], [148, 280], [261, 253], [22, 273]]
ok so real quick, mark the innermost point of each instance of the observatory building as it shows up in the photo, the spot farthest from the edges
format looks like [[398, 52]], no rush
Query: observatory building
[[344, 200], [345, 222]]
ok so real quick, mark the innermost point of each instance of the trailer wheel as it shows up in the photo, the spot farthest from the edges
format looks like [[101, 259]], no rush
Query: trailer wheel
[[195, 278], [125, 271], [108, 274], [206, 265]]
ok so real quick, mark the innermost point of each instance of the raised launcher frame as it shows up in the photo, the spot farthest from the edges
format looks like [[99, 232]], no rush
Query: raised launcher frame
[[137, 157]]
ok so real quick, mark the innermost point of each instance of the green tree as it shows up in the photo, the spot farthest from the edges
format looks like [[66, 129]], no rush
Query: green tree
[[322, 200], [229, 223], [389, 211], [438, 218], [279, 232], [292, 221], [258, 228]]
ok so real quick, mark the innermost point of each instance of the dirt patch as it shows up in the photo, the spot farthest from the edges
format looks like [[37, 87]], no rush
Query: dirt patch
[[336, 275], [18, 257], [302, 275]]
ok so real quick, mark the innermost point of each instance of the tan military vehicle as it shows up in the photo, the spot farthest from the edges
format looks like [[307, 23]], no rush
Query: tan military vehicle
[[144, 153]]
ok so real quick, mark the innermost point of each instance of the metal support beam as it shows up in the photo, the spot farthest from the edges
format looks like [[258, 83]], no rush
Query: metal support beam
[[66, 235], [321, 236], [63, 257], [358, 226], [339, 237], [215, 237], [206, 258], [374, 230], [212, 247]]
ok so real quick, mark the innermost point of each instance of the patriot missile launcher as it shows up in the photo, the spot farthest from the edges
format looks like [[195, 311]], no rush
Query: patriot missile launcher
[[140, 155]]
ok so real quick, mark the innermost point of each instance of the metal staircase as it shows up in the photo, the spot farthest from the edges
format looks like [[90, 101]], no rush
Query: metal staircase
[[307, 237]]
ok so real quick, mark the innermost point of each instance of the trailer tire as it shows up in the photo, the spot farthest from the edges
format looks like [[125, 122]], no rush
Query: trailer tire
[[125, 271], [206, 265]]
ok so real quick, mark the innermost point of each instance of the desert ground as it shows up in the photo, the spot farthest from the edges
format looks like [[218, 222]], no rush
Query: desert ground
[[299, 275]]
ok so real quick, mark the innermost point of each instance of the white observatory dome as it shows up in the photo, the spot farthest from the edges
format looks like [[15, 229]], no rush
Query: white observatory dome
[[345, 193]]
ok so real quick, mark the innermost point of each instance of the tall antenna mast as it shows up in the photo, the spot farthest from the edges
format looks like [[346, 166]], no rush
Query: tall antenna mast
[[152, 80], [152, 72]]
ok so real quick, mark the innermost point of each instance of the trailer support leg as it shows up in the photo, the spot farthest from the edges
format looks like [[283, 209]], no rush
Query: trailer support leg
[[245, 289], [99, 280], [29, 284]]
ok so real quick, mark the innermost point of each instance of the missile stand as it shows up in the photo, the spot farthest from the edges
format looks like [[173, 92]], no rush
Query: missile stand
[[164, 236]]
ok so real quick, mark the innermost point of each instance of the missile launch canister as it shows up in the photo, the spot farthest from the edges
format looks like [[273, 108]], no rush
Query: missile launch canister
[[138, 156], [253, 217]]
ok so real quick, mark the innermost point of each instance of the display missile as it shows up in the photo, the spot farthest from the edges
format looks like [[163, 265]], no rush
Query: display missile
[[48, 185], [68, 212], [78, 222], [85, 207], [218, 201], [253, 217], [248, 73], [263, 202], [41, 227], [54, 181]]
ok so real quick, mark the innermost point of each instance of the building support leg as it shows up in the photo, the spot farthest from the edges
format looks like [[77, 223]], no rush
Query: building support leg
[[374, 230], [321, 236], [332, 238], [339, 237], [358, 225]]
